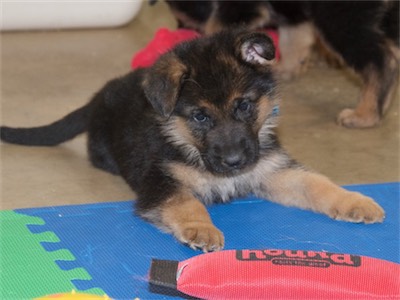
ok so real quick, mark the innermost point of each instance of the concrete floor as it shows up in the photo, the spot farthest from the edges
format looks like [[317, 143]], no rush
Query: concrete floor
[[46, 74]]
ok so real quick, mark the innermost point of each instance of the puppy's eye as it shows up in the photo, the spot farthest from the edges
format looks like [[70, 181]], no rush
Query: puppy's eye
[[244, 106], [200, 117]]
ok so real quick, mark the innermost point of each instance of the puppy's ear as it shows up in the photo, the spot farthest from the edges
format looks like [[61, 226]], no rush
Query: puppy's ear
[[162, 83], [256, 48]]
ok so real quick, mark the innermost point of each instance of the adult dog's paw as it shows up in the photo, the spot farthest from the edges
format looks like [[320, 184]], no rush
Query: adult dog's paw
[[351, 119]]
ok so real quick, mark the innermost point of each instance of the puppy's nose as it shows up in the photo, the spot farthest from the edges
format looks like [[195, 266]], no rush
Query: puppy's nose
[[233, 160]]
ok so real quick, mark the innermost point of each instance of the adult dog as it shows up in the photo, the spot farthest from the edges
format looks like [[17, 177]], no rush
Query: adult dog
[[195, 128], [363, 35]]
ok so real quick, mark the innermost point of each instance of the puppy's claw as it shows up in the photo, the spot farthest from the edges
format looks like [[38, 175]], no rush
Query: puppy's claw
[[203, 236], [357, 208]]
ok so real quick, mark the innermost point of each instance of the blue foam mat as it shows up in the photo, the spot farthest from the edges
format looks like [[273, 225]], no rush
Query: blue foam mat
[[116, 248]]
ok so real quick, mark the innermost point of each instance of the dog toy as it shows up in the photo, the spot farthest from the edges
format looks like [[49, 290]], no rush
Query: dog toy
[[163, 41], [277, 274], [74, 296], [166, 39]]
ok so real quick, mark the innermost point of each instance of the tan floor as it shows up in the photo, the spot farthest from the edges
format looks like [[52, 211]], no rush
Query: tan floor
[[48, 74]]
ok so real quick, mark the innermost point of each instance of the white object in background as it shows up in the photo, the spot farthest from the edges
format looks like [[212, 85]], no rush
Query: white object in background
[[60, 14]]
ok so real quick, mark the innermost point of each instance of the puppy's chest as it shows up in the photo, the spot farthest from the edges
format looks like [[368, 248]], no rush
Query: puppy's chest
[[210, 188]]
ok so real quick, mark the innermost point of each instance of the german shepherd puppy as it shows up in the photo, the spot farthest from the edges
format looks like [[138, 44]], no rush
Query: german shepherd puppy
[[363, 35], [196, 128]]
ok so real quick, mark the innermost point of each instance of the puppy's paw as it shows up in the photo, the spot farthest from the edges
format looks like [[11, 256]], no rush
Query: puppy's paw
[[350, 119], [204, 236], [357, 208]]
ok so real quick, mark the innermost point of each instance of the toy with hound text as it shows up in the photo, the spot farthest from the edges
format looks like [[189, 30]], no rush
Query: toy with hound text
[[277, 274]]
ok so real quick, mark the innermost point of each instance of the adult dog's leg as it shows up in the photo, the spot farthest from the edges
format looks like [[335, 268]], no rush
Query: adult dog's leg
[[363, 47], [308, 190], [295, 42], [380, 83]]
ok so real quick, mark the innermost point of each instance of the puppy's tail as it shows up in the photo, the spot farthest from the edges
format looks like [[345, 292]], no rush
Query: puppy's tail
[[49, 135]]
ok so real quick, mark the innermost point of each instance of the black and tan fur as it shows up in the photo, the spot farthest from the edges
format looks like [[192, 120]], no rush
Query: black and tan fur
[[197, 128], [363, 35]]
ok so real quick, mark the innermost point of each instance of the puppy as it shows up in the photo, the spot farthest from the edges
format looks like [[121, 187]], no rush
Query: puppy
[[197, 128], [363, 35]]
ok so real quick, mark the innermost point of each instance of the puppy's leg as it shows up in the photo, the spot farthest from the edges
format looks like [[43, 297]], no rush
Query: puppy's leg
[[187, 219], [295, 42], [100, 156], [304, 189]]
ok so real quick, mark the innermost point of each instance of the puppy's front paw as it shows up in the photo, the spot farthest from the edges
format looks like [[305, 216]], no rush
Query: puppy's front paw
[[357, 208], [204, 236]]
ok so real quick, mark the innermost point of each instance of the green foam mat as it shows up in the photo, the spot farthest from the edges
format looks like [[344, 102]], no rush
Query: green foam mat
[[27, 270]]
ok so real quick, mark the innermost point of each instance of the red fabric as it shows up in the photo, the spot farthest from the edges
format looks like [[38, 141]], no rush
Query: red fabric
[[273, 34], [166, 39], [163, 41], [280, 274]]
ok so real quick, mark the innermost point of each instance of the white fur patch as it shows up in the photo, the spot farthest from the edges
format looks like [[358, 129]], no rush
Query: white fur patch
[[208, 186]]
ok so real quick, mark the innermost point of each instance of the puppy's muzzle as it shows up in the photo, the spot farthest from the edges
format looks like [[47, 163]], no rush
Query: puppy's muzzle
[[231, 151]]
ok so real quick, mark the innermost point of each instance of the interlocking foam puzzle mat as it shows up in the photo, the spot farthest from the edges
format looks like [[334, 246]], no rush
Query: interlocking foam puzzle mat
[[104, 249]]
